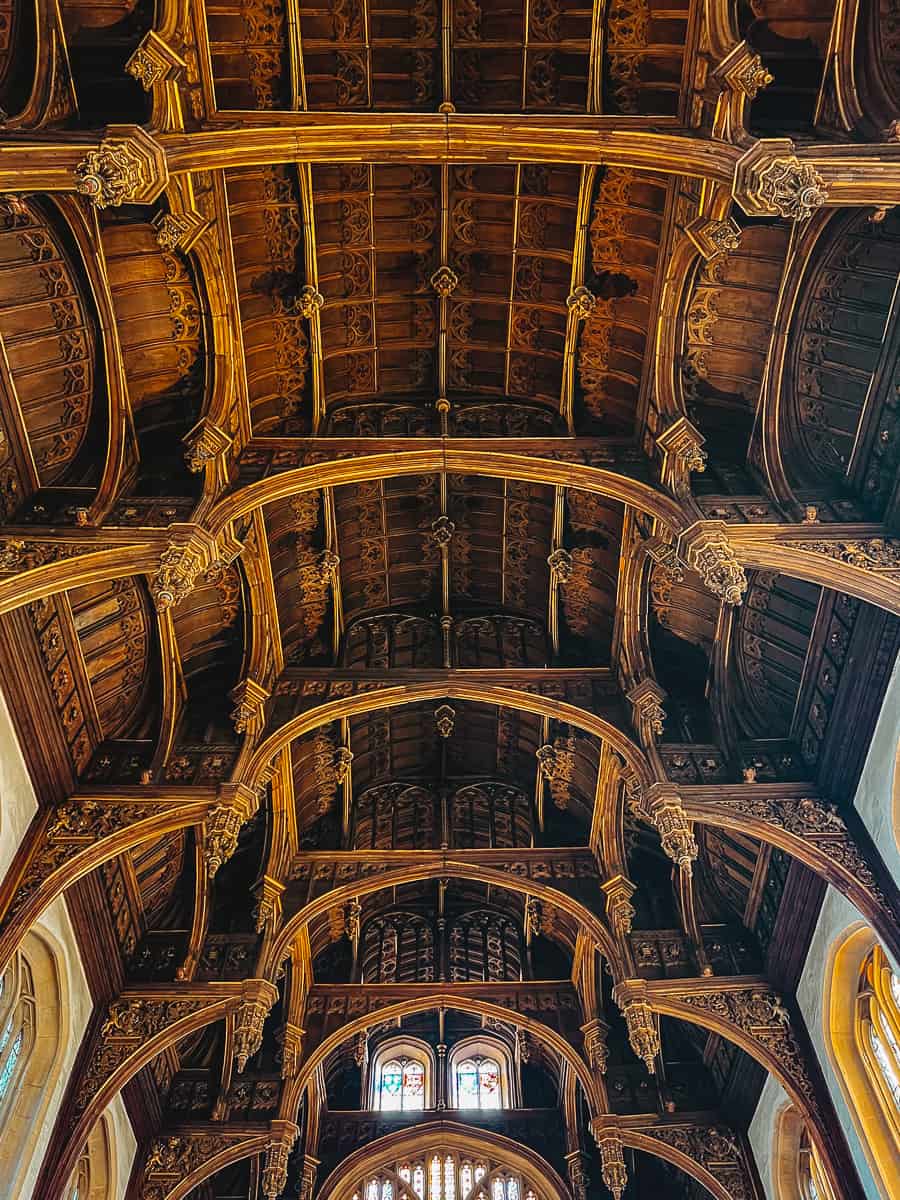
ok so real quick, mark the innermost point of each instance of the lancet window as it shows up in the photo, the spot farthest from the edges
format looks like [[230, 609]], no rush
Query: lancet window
[[878, 1031], [481, 1074], [17, 1027]]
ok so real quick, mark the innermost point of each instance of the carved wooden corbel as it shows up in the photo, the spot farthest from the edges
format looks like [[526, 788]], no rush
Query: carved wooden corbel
[[595, 1049], [236, 804], [647, 711], [607, 1135], [249, 712], [274, 1176], [205, 443], [712, 237], [257, 1000], [643, 1035], [681, 448], [154, 61], [706, 549], [179, 230]]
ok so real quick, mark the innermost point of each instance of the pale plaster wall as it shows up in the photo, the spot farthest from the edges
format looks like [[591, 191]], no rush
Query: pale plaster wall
[[17, 806], [875, 803]]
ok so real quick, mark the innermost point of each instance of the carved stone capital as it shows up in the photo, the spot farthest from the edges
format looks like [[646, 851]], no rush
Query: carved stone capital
[[577, 1170], [707, 550], [154, 61], [291, 1050], [190, 554], [249, 712], [713, 238], [204, 444], [127, 167], [681, 447], [267, 910], [179, 231], [663, 807], [647, 711], [257, 1000], [742, 71], [770, 178], [612, 1157]]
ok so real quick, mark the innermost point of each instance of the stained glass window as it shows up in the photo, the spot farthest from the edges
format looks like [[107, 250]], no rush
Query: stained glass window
[[444, 1175], [478, 1083], [880, 1020], [401, 1085], [16, 1038]]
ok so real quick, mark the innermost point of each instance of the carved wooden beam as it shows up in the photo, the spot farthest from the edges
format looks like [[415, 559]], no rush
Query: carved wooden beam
[[182, 1158], [748, 1012], [770, 176], [796, 819], [717, 1156], [127, 1035], [67, 842]]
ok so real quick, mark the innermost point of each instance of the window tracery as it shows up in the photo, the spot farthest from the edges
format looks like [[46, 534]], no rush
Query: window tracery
[[438, 1175], [481, 1075], [17, 1028]]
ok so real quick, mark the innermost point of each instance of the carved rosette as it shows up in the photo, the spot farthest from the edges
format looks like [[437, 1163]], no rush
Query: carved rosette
[[595, 1048], [256, 1004], [445, 281], [581, 303], [445, 720], [770, 178], [709, 553], [561, 566], [127, 166], [442, 531], [309, 302], [343, 758]]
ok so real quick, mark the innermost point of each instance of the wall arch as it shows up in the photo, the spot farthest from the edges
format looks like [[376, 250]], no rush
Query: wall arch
[[842, 972]]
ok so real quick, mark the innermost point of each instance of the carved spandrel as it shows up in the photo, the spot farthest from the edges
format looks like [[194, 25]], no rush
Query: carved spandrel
[[173, 1157], [715, 1149], [760, 1015]]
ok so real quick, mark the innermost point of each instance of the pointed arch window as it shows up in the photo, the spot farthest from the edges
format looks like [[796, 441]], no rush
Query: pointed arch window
[[17, 1025], [481, 1074], [402, 1077], [878, 1031], [440, 1174]]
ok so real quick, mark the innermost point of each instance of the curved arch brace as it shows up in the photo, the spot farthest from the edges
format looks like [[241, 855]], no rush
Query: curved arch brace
[[810, 831], [439, 999], [749, 1014], [650, 1145], [82, 567], [153, 1020], [528, 469], [62, 846], [449, 867], [393, 697], [194, 1157]]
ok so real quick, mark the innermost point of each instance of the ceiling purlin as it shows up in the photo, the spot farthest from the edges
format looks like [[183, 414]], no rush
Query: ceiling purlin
[[229, 273], [595, 62], [447, 51], [512, 275], [311, 265]]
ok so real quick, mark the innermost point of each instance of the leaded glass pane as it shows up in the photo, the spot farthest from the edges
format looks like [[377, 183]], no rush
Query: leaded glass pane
[[9, 1066], [886, 1065]]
